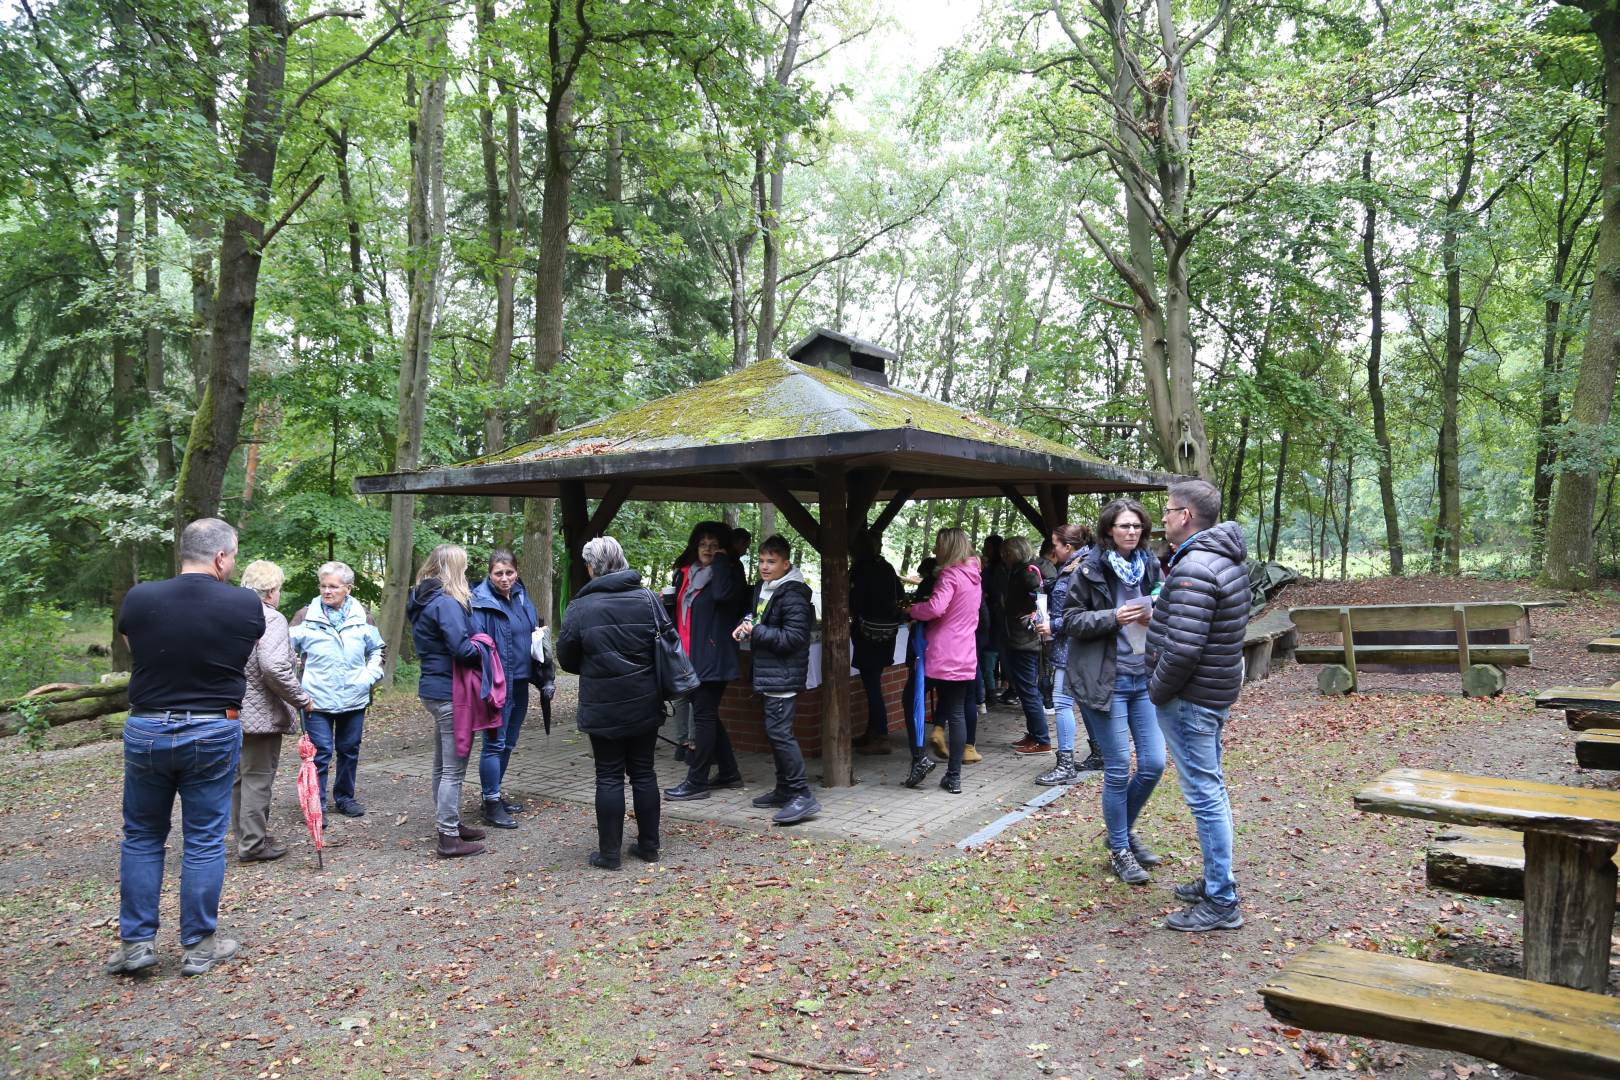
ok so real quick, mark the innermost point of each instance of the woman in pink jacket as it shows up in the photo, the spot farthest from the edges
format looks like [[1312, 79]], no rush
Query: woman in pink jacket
[[952, 660]]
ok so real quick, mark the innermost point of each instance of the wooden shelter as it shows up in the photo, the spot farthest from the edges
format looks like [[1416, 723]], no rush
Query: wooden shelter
[[823, 427]]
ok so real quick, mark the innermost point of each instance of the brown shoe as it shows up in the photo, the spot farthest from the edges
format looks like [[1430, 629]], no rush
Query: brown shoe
[[471, 832], [454, 847], [1032, 748], [1022, 745], [269, 851]]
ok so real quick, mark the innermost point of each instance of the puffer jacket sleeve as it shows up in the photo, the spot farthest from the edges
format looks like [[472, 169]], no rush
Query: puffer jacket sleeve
[[570, 651], [1180, 628], [794, 632], [274, 656]]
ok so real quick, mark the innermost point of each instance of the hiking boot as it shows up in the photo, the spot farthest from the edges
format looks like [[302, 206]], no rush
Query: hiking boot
[[1033, 747], [269, 851], [936, 741], [1146, 855], [644, 853], [351, 808], [921, 766], [951, 782], [1024, 743], [211, 950], [799, 808], [132, 958], [772, 798], [970, 756], [495, 814], [602, 862], [454, 847], [511, 807], [1206, 915], [1093, 761], [1062, 773], [686, 791], [1127, 869], [470, 832], [1190, 892]]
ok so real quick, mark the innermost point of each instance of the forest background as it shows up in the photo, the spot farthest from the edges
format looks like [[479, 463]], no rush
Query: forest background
[[1349, 260]]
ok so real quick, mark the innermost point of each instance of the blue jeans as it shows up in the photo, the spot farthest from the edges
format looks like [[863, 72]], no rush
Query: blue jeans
[[1194, 735], [987, 674], [1024, 669], [1130, 718], [498, 742], [337, 733], [165, 757], [1063, 708]]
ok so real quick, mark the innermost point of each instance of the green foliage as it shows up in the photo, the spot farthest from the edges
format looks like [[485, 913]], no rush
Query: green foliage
[[32, 648]]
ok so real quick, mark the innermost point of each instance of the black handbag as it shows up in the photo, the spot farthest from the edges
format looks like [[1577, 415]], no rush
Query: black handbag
[[676, 679]]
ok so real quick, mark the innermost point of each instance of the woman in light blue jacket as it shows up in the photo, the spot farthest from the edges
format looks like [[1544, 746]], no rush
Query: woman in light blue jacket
[[343, 654]]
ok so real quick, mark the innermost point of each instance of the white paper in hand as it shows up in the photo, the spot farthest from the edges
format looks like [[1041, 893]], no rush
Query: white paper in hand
[[537, 644]]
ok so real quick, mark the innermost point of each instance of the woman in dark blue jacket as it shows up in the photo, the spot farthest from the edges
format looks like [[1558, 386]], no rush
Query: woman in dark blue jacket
[[711, 595], [501, 609], [439, 613]]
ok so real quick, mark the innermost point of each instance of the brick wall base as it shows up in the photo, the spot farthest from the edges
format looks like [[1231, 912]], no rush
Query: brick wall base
[[742, 711]]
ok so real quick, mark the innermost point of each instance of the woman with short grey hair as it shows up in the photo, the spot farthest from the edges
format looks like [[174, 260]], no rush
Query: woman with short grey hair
[[607, 638], [270, 705]]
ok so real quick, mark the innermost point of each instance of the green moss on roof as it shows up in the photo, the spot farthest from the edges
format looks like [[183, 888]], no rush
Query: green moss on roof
[[772, 399]]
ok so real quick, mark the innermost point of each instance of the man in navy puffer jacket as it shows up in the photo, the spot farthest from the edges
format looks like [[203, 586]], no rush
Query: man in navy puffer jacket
[[1195, 661]]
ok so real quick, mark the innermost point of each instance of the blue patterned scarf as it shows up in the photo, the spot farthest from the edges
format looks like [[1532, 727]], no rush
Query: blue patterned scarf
[[1129, 573]]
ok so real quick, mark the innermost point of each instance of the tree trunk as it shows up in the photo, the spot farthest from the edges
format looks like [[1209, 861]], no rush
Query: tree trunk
[[218, 420], [769, 188], [154, 337], [1375, 377], [1276, 498], [124, 399], [426, 241], [613, 275], [1570, 558]]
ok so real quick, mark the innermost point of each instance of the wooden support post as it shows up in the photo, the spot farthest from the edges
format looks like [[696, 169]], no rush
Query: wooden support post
[[617, 493], [1569, 901], [1032, 515], [1348, 632], [1060, 503], [1051, 515], [576, 523], [836, 761], [896, 504], [864, 484], [1459, 622], [792, 509]]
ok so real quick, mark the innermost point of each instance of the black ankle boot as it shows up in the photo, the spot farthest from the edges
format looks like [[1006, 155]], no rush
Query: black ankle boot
[[495, 815]]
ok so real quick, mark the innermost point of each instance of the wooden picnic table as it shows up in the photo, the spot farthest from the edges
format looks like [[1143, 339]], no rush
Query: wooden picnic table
[[1570, 838]]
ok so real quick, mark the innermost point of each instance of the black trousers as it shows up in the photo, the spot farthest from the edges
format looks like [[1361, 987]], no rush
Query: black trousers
[[949, 710], [790, 777], [713, 744], [616, 758]]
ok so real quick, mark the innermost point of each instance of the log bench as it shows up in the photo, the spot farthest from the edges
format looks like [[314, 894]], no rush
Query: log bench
[[1267, 642], [1585, 707], [1478, 861], [1604, 645], [1531, 1027], [1479, 664], [1598, 749]]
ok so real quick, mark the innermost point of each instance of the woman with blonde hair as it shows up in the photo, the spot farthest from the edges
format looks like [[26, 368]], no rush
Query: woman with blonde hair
[[951, 658], [270, 707], [439, 609]]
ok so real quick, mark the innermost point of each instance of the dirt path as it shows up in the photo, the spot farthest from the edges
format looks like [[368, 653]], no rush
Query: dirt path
[[1024, 959]]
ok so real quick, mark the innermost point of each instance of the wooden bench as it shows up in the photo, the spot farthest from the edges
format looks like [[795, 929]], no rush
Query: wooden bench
[[1267, 642], [1585, 707], [1531, 1027], [1598, 749], [1480, 665], [1604, 645], [1477, 861]]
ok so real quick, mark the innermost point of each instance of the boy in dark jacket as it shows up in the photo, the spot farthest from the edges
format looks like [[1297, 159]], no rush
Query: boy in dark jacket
[[778, 628]]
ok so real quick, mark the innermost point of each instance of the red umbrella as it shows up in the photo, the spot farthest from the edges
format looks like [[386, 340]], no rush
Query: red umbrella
[[309, 795]]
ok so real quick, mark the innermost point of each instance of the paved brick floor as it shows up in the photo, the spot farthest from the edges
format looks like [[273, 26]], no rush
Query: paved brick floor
[[877, 809]]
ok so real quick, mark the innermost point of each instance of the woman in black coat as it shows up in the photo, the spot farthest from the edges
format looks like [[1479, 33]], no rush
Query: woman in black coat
[[607, 638], [711, 595]]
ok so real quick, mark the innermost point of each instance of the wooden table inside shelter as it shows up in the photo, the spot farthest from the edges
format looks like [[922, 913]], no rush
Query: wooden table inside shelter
[[1570, 837]]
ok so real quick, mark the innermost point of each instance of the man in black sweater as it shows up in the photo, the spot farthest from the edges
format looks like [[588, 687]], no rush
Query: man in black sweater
[[190, 638]]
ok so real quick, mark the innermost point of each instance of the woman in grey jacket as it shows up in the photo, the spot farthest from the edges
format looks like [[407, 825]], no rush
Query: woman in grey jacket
[[1105, 617], [270, 708]]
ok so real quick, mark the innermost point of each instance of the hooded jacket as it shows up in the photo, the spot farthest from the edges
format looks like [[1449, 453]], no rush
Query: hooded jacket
[[510, 624], [952, 615], [1195, 643], [780, 639], [1089, 628], [440, 629], [343, 658], [1023, 582], [607, 638]]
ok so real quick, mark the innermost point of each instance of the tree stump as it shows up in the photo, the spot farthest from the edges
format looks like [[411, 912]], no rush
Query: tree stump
[[1335, 680], [1483, 680], [1569, 903]]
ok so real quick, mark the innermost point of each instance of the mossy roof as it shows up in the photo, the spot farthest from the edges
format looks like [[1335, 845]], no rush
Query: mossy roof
[[772, 399], [708, 443]]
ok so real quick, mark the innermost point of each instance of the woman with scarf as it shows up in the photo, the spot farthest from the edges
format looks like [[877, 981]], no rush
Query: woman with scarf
[[710, 598], [1105, 617], [1070, 545]]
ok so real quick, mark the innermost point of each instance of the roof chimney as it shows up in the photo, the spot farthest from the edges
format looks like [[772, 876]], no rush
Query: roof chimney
[[846, 355]]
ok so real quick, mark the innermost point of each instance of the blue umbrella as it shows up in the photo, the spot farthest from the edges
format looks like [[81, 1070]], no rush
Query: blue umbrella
[[920, 680]]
